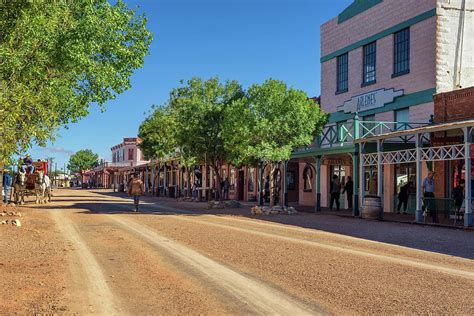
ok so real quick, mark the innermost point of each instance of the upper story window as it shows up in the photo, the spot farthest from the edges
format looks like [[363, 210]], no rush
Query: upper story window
[[369, 73], [402, 117], [343, 73], [401, 53], [130, 154]]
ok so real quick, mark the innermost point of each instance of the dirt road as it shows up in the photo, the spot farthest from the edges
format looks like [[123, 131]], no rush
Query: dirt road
[[87, 253]]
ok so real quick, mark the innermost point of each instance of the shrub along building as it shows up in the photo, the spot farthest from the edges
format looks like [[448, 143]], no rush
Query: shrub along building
[[381, 64]]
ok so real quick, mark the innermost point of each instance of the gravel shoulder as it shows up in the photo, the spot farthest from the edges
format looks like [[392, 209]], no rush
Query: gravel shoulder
[[33, 266]]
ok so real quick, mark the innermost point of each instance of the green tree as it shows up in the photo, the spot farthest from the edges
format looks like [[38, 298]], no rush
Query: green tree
[[269, 123], [157, 133], [157, 137], [82, 160], [58, 57], [199, 108]]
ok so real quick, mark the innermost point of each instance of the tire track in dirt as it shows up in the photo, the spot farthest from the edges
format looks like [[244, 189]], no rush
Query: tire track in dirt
[[257, 296], [358, 252], [100, 298], [402, 261]]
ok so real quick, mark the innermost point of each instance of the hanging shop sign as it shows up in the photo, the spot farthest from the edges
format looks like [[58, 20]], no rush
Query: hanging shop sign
[[369, 101], [336, 162]]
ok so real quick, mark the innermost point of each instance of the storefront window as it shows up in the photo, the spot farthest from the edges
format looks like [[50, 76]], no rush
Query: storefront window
[[403, 174], [251, 175], [232, 179], [308, 179]]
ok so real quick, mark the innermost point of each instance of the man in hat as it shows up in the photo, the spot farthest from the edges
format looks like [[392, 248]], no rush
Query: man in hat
[[28, 165], [7, 184], [135, 189]]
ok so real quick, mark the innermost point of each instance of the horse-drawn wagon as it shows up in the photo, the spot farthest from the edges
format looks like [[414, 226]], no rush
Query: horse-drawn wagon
[[36, 183]]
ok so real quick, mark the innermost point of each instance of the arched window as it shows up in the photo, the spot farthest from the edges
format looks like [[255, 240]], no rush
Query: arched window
[[308, 178]]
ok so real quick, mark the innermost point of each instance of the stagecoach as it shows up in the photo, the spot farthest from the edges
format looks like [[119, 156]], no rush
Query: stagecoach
[[35, 184]]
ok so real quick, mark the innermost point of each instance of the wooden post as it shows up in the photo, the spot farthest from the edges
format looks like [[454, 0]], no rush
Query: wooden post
[[380, 173], [419, 180], [317, 180], [468, 176]]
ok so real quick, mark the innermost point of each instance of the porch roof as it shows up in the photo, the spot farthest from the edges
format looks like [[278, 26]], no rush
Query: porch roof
[[419, 130]]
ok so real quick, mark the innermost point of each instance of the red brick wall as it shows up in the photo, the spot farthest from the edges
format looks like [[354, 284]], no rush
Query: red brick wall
[[454, 106]]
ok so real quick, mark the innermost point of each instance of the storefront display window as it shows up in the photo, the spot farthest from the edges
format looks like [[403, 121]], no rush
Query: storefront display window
[[251, 180], [308, 179], [232, 179], [403, 174]]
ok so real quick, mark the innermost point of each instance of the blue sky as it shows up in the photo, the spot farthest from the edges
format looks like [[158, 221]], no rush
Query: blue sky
[[246, 40]]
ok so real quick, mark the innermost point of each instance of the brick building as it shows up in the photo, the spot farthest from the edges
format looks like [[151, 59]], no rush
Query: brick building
[[381, 64]]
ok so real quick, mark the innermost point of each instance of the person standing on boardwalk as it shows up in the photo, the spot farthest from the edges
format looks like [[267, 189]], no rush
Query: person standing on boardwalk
[[403, 197], [136, 189], [428, 194], [349, 190], [335, 192], [7, 183]]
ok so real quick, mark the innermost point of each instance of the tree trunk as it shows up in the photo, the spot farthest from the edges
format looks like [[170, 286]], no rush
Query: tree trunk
[[188, 183], [219, 182], [272, 173]]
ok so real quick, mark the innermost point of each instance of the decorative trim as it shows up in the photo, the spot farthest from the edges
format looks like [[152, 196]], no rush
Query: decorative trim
[[356, 8], [391, 30], [405, 101]]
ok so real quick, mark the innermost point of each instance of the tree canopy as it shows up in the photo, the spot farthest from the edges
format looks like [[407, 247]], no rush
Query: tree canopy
[[270, 122], [57, 58], [157, 133], [199, 108], [82, 160], [213, 122]]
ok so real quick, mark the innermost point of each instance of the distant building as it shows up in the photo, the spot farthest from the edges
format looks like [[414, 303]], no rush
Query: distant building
[[128, 152]]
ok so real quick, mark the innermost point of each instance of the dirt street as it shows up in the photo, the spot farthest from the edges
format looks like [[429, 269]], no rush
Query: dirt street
[[88, 253]]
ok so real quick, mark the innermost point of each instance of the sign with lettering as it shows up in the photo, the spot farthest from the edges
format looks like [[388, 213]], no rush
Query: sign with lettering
[[369, 101]]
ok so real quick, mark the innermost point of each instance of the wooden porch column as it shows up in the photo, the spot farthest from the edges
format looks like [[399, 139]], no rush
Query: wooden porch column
[[285, 184], [419, 180], [165, 183], [362, 187], [317, 185], [380, 173], [468, 168], [355, 176]]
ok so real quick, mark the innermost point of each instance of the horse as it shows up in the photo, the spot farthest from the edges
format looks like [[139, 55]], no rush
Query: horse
[[42, 187], [19, 186]]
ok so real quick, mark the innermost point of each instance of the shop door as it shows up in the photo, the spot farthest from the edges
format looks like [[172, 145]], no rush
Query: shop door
[[339, 171], [241, 185]]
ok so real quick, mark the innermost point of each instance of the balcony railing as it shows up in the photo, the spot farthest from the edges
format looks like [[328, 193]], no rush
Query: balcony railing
[[343, 134]]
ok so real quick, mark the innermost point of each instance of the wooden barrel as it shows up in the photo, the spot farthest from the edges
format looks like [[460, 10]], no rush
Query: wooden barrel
[[372, 208]]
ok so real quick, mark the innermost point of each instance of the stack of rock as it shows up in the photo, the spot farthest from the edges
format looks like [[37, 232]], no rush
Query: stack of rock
[[216, 204], [14, 222], [232, 203], [275, 210]]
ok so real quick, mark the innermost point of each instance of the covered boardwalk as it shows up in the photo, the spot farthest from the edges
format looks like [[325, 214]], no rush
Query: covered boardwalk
[[418, 147]]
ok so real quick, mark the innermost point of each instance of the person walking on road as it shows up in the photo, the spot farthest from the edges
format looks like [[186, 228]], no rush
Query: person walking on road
[[136, 189], [335, 192], [7, 184], [428, 194], [349, 190], [403, 197]]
